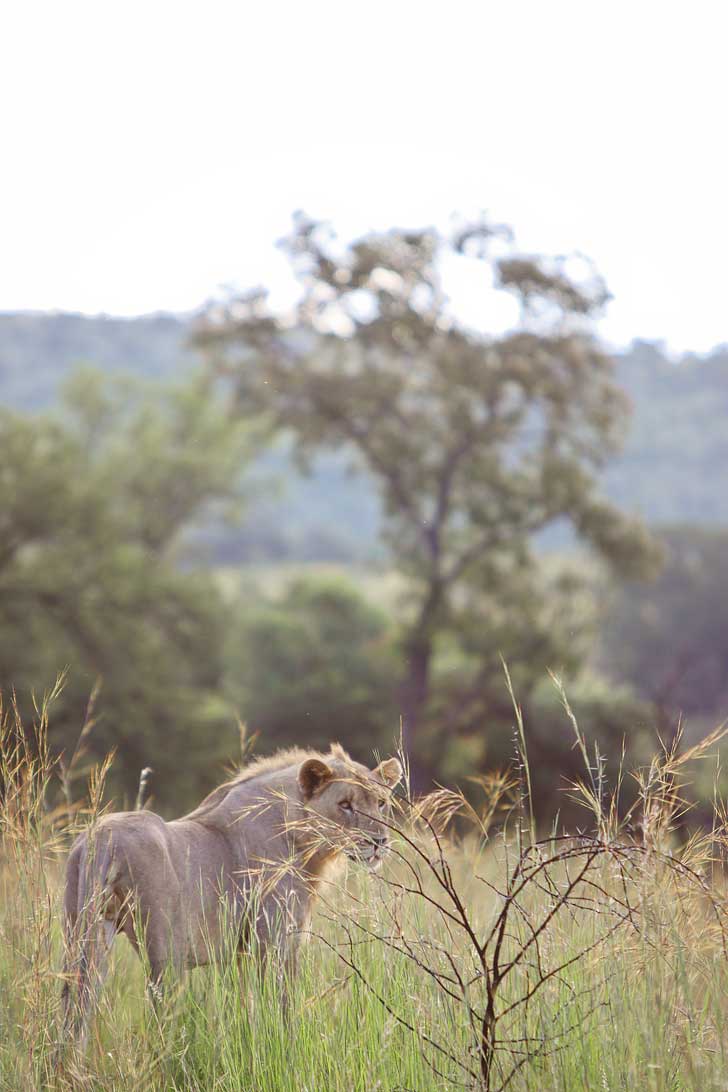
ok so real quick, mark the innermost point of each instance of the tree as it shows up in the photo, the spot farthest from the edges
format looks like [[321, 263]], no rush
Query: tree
[[669, 638], [95, 504], [477, 443]]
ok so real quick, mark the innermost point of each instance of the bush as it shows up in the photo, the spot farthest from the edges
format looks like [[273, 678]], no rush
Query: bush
[[314, 666]]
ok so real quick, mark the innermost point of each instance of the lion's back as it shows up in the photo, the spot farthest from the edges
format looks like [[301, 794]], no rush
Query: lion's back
[[127, 847]]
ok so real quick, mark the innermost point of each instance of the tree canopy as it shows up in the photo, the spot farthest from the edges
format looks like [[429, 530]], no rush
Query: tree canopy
[[94, 506], [477, 443]]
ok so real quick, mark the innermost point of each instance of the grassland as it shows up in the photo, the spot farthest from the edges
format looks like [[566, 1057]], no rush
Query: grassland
[[611, 952]]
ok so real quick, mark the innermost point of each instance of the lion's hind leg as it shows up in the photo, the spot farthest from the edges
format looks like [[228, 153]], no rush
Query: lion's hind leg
[[89, 931], [86, 966]]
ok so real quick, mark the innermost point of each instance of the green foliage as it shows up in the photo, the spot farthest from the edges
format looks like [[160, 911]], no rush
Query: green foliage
[[669, 638], [94, 507], [315, 665], [613, 721]]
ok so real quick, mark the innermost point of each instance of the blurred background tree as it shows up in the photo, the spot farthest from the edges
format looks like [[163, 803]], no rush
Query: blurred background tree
[[669, 638], [95, 502], [476, 443]]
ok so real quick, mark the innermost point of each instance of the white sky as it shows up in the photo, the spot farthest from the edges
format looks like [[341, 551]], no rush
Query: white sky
[[152, 152]]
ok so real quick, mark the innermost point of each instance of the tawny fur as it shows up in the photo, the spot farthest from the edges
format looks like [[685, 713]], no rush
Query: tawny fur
[[240, 868]]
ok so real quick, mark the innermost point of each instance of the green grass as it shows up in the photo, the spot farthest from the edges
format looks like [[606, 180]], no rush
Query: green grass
[[376, 1004], [649, 1011]]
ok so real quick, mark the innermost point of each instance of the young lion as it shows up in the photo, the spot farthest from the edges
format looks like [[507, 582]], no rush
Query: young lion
[[246, 861]]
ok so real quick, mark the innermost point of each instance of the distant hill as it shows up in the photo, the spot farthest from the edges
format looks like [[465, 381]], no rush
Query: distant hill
[[38, 351], [675, 465], [674, 468]]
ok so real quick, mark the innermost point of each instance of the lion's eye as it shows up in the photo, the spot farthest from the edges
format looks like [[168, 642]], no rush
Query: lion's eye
[[346, 805], [382, 805]]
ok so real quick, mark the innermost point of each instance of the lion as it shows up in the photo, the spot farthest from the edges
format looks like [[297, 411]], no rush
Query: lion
[[246, 864]]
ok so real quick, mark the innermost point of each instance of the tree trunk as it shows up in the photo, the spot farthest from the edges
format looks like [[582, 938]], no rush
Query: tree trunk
[[415, 695]]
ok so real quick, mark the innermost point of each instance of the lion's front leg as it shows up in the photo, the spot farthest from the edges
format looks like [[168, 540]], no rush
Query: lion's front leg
[[277, 938]]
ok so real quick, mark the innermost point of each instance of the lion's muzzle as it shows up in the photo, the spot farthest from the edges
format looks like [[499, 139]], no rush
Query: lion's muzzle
[[370, 851]]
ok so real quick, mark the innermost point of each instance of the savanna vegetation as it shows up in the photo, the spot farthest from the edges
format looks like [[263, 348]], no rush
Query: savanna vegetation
[[468, 455], [482, 957], [490, 526]]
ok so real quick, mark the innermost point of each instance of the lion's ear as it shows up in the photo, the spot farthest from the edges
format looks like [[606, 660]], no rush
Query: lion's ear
[[313, 775], [390, 771]]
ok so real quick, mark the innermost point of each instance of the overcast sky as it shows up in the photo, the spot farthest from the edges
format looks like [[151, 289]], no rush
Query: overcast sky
[[153, 154]]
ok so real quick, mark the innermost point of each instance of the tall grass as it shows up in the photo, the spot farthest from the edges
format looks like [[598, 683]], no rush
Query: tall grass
[[480, 957]]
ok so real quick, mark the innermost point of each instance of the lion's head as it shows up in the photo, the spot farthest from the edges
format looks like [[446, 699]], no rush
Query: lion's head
[[351, 802]]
